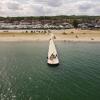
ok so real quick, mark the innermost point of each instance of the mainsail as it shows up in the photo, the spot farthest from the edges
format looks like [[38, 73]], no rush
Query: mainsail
[[52, 53]]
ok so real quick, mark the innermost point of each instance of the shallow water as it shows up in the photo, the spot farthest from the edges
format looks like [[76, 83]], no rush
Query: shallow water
[[25, 75]]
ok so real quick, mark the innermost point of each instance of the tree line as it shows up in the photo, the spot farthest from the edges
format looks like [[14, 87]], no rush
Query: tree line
[[73, 17]]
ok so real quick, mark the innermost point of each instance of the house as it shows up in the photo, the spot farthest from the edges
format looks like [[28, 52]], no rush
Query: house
[[83, 25], [67, 25], [16, 23], [97, 26], [35, 22], [23, 22]]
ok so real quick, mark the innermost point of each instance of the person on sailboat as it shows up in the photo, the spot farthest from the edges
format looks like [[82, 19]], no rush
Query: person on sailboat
[[53, 56]]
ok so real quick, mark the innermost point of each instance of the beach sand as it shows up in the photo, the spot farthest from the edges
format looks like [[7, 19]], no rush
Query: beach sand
[[61, 35]]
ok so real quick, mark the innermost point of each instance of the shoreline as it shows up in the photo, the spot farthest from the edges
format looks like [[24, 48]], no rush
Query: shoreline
[[71, 35], [24, 39]]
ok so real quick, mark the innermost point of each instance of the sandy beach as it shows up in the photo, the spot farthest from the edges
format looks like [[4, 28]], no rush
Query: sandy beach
[[61, 35]]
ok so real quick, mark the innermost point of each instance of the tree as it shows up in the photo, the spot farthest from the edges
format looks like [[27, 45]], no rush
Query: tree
[[75, 23]]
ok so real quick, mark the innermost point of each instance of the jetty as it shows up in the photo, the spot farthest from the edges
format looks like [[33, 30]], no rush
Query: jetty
[[52, 53]]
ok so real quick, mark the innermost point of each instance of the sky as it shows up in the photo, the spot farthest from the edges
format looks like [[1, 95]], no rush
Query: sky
[[49, 7]]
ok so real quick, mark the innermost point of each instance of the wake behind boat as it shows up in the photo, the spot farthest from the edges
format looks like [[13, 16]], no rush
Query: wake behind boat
[[52, 54]]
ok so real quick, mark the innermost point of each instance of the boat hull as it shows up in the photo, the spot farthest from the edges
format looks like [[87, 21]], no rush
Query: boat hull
[[53, 65]]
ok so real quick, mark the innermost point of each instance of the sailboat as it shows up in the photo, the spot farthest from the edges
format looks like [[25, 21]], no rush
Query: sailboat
[[52, 53]]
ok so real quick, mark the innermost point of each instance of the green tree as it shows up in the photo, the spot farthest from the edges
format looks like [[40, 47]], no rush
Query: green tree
[[75, 23]]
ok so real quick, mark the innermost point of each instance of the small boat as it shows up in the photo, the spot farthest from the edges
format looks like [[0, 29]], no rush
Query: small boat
[[52, 54]]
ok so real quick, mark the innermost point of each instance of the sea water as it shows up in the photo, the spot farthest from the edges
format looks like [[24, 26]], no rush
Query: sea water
[[25, 75]]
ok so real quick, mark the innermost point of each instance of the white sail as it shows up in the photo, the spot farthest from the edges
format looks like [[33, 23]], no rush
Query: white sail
[[52, 53]]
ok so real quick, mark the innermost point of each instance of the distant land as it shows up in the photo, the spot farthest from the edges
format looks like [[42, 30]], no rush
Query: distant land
[[50, 22]]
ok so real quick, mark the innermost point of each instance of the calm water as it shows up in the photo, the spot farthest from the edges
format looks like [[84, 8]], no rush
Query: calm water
[[24, 74]]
